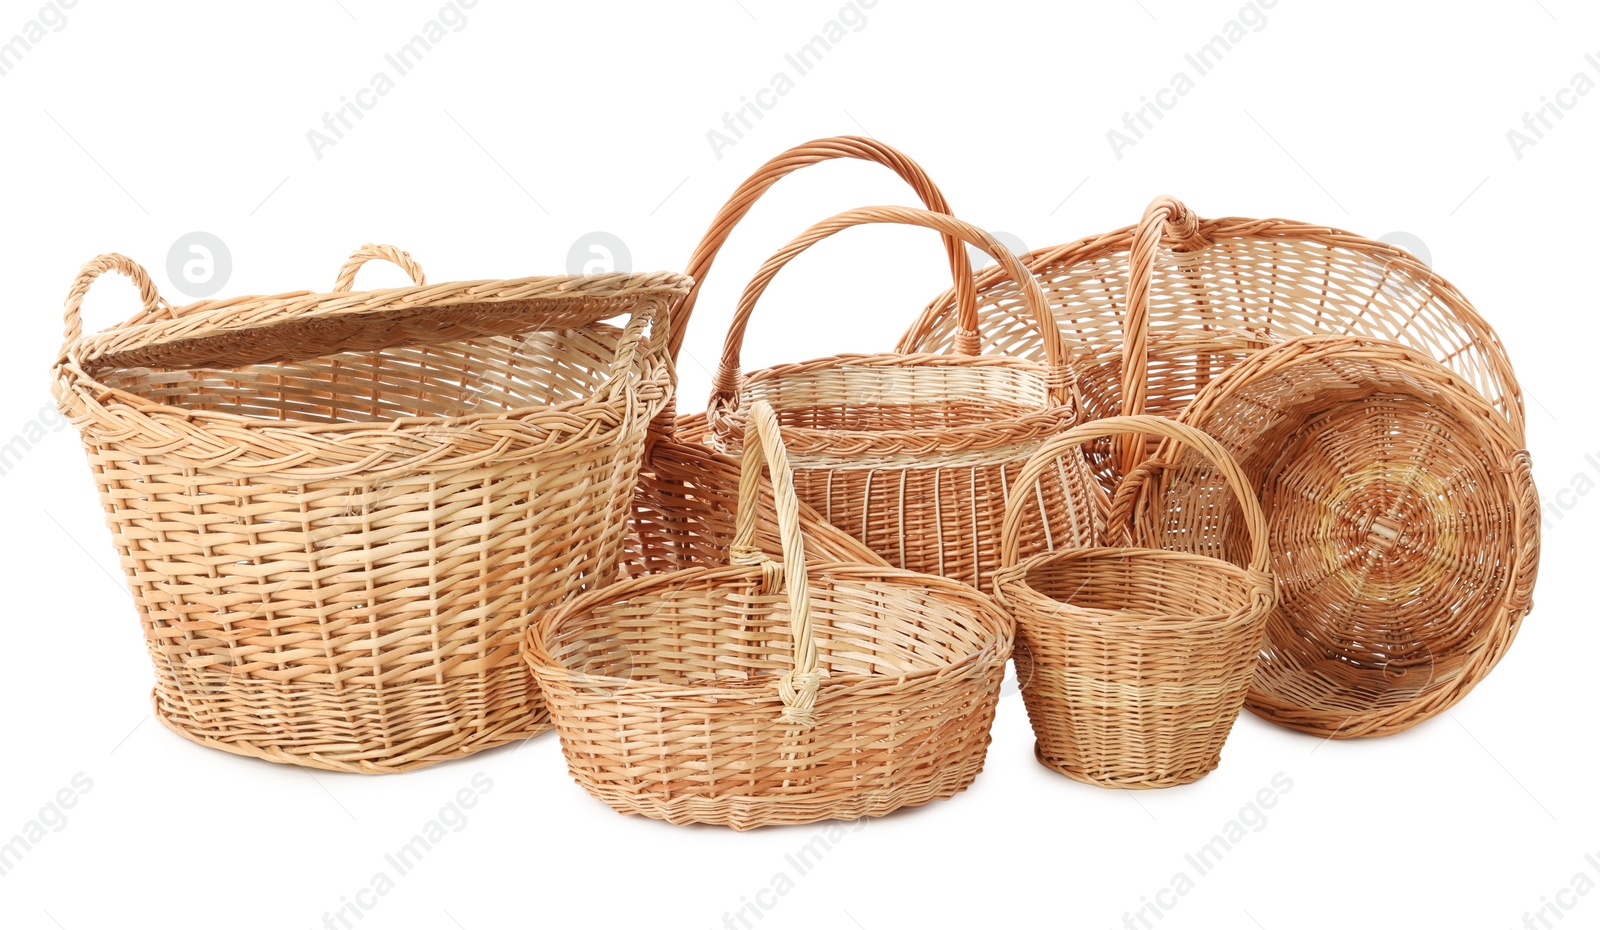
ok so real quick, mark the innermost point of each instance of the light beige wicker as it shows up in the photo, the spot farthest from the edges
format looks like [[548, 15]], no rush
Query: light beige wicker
[[1403, 524], [1160, 309], [913, 454], [688, 492], [1134, 662], [772, 692], [337, 512]]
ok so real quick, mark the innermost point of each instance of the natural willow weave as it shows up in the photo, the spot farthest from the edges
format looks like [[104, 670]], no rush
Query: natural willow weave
[[767, 692], [1134, 662], [338, 511], [688, 492], [913, 454], [1162, 308], [1404, 528]]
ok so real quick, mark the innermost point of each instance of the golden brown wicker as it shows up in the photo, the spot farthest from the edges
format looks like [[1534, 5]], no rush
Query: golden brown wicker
[[1403, 523], [1160, 309], [1134, 662], [772, 692], [688, 492], [913, 454], [337, 512]]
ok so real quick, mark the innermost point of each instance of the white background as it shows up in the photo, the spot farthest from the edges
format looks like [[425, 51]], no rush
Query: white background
[[535, 124]]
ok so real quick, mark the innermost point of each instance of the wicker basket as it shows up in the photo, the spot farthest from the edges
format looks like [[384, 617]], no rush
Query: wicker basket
[[1160, 309], [688, 492], [1134, 662], [1403, 524], [913, 454], [766, 692], [337, 512]]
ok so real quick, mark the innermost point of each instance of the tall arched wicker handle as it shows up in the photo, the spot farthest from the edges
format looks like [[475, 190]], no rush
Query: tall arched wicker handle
[[370, 251], [153, 305], [1166, 218], [725, 385], [1034, 468], [798, 687]]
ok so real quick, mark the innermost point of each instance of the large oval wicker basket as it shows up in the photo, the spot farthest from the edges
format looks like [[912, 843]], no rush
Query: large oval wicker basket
[[337, 512], [772, 692], [1134, 662]]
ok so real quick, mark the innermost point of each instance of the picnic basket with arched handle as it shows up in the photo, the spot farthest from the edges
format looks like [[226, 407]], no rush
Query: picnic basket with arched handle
[[1134, 661], [913, 453], [338, 511], [768, 692]]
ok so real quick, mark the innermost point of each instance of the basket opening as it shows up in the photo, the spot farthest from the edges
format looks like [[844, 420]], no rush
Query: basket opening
[[900, 396], [1142, 585]]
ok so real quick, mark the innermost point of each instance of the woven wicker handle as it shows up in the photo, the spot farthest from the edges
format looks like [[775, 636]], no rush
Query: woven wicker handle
[[370, 251], [1165, 219], [1034, 468], [153, 305], [798, 687], [725, 385], [800, 156]]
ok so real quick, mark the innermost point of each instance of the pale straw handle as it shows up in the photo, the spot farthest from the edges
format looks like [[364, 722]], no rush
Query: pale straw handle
[[798, 687], [725, 385], [370, 251], [153, 305], [1045, 456]]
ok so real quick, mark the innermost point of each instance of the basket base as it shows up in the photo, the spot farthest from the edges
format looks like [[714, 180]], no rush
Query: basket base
[[1134, 782], [364, 760]]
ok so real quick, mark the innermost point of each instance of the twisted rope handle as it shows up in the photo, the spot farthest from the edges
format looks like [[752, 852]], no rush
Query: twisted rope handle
[[1165, 219], [154, 306], [1060, 379], [370, 251], [798, 686], [1034, 468]]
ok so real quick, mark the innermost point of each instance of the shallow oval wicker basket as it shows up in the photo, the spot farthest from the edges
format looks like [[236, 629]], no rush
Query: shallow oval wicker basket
[[772, 692], [1134, 662], [337, 512], [1403, 523]]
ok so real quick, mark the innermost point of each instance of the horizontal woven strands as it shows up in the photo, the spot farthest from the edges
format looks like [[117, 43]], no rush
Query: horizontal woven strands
[[772, 692], [1404, 528], [334, 551], [1134, 662], [688, 492], [913, 454], [1161, 308]]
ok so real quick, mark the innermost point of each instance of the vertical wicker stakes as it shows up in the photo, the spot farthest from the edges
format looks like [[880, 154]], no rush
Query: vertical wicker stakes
[[337, 512], [1134, 662], [767, 692], [913, 454]]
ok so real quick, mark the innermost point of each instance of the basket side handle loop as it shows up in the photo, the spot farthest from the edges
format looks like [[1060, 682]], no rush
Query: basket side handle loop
[[347, 273], [1166, 220], [1143, 424], [152, 305], [1061, 377], [1519, 600], [797, 687]]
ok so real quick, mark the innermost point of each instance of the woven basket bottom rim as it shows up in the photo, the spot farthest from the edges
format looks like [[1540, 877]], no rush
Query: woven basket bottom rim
[[1171, 780]]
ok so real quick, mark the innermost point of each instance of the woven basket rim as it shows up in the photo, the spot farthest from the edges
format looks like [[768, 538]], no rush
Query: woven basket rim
[[1013, 585], [640, 588]]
